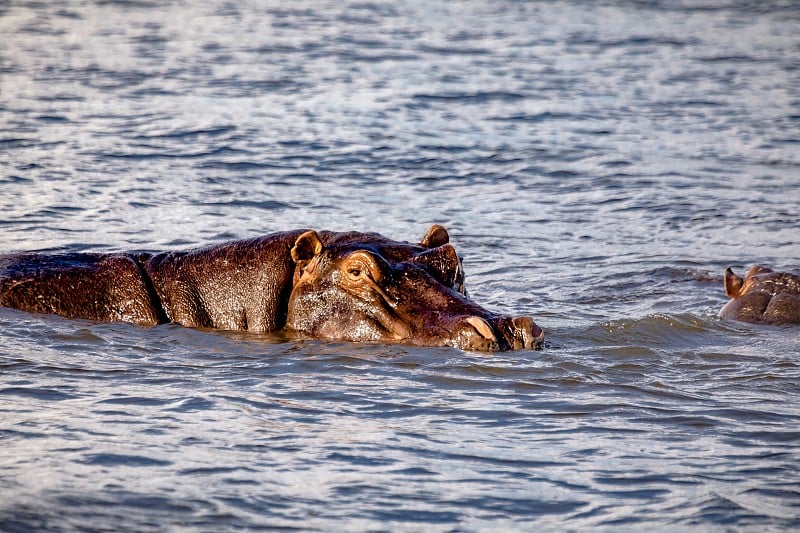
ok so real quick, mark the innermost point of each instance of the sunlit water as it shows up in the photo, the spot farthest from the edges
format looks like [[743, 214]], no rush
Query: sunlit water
[[598, 166]]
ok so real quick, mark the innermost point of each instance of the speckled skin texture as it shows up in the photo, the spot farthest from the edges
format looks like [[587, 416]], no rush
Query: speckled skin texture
[[762, 296]]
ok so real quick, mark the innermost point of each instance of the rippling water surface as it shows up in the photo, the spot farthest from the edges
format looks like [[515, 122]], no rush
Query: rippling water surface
[[598, 166]]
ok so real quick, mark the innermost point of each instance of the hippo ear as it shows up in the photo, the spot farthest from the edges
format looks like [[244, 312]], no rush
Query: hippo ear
[[306, 247], [436, 236], [733, 284], [444, 263]]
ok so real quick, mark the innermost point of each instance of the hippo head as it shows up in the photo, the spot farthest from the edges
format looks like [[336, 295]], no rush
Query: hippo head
[[763, 295], [360, 290]]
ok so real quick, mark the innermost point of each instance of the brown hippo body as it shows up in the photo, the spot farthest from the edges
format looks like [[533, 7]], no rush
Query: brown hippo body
[[106, 287], [242, 285], [350, 286], [762, 296]]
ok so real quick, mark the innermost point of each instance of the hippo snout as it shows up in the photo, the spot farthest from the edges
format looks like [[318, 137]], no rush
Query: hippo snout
[[520, 332], [475, 334], [478, 334]]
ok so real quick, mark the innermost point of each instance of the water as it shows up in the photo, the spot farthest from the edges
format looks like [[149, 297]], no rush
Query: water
[[598, 166]]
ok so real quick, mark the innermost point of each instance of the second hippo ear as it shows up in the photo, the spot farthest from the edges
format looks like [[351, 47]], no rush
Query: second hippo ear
[[733, 284], [306, 247], [436, 236]]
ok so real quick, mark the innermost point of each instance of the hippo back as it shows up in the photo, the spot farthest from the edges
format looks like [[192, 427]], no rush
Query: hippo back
[[241, 285], [79, 285]]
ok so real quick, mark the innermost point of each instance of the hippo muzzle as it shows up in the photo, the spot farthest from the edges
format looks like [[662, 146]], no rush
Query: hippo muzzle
[[490, 335]]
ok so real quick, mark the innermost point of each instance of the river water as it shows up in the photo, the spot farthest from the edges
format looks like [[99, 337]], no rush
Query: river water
[[598, 165]]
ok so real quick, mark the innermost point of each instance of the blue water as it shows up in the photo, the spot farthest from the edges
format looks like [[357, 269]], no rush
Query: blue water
[[598, 166]]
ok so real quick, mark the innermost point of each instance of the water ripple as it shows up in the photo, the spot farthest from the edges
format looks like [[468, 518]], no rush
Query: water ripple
[[598, 167]]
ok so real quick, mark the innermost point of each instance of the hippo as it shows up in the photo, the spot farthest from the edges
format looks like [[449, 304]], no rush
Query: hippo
[[349, 286], [762, 296]]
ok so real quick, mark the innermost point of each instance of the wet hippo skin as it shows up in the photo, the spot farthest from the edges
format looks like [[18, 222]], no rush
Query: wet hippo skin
[[336, 285], [762, 296], [94, 286]]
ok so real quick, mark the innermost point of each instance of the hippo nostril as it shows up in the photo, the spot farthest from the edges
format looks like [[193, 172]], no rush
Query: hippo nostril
[[527, 334]]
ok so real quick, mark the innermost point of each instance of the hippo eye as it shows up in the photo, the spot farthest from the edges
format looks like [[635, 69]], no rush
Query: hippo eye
[[360, 266]]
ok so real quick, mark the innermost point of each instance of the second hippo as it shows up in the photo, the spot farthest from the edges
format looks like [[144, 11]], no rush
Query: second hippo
[[762, 296]]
